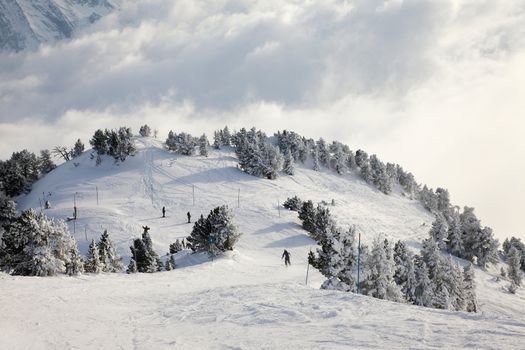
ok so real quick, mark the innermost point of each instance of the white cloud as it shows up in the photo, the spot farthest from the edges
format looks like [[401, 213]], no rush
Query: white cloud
[[434, 85]]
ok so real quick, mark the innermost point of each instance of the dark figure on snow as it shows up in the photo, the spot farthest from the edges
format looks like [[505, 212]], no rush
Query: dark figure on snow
[[75, 212], [286, 256], [146, 229], [189, 217], [48, 205], [163, 212]]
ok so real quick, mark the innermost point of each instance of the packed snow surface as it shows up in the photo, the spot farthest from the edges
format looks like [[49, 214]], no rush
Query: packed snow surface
[[246, 299]]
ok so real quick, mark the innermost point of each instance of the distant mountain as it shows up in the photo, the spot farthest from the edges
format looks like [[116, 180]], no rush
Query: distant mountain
[[24, 24]]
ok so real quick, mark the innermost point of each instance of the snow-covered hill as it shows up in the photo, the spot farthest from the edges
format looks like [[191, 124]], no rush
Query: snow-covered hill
[[25, 24], [246, 299]]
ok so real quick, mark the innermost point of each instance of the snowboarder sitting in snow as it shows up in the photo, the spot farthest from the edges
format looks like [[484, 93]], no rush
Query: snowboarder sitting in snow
[[189, 217], [163, 212], [286, 256]]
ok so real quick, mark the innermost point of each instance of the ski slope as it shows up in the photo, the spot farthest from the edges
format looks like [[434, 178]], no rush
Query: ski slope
[[246, 299]]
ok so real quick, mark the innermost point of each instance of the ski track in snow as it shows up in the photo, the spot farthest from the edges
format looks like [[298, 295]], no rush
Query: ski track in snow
[[246, 299]]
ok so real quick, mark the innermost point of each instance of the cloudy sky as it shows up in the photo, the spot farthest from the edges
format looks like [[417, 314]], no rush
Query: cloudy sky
[[436, 86]]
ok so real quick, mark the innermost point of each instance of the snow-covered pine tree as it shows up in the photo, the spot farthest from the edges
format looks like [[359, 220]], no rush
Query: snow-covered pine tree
[[443, 200], [380, 283], [217, 140], [203, 145], [408, 289], [315, 158], [485, 247], [78, 149], [339, 159], [288, 168], [439, 231], [336, 259], [455, 237], [469, 289], [431, 256], [226, 137], [507, 244], [361, 158], [145, 131], [175, 247], [294, 203], [307, 216], [35, 245], [110, 260], [214, 234], [324, 153], [172, 262], [45, 162], [99, 142], [514, 269], [428, 198], [404, 275], [167, 265], [75, 266], [424, 292], [151, 263], [93, 264], [350, 160], [132, 266]]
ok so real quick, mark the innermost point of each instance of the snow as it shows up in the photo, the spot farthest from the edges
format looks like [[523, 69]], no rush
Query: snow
[[246, 299]]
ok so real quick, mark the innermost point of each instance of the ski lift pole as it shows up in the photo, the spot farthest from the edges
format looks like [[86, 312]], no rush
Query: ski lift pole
[[193, 187], [307, 268], [279, 208], [358, 260]]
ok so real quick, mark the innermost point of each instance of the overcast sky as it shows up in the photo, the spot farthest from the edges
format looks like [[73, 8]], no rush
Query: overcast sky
[[436, 86]]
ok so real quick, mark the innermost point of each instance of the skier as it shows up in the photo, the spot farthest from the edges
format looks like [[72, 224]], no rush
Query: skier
[[146, 229], [47, 205], [286, 256], [163, 212], [189, 217]]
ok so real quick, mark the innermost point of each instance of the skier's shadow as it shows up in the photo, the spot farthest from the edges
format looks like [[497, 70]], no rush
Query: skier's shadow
[[155, 218]]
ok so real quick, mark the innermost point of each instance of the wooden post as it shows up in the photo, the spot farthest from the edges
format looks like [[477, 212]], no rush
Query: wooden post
[[279, 208], [193, 187], [239, 198], [358, 260], [96, 187], [85, 232]]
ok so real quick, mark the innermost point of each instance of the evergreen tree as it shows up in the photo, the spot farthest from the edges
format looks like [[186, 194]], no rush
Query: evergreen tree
[[404, 275], [226, 137], [408, 288], [214, 234], [324, 153], [175, 247], [145, 131], [455, 237], [507, 244], [203, 145], [514, 262], [167, 265], [217, 140], [110, 260], [78, 149], [35, 245], [288, 167], [132, 266], [93, 263], [293, 203], [430, 256], [172, 262], [439, 231], [361, 158], [307, 216], [99, 142], [424, 292], [75, 266], [45, 162], [339, 159], [469, 289], [485, 247], [315, 159], [380, 283]]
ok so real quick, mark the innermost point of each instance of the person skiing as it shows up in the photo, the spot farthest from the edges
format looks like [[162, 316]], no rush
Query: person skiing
[[189, 217], [286, 256], [163, 212]]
